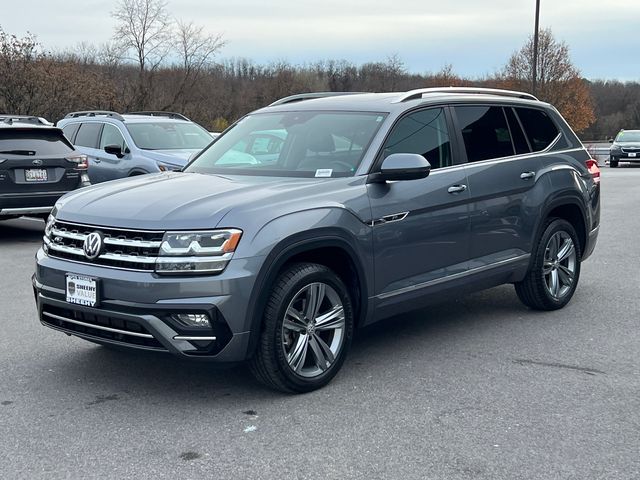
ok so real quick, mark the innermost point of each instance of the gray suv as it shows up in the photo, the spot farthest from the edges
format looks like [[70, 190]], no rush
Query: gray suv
[[351, 209], [135, 143]]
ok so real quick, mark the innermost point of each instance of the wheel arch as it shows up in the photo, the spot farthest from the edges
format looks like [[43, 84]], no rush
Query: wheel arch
[[570, 209], [326, 247]]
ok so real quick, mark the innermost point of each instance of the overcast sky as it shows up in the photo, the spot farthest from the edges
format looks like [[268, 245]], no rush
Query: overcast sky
[[475, 36]]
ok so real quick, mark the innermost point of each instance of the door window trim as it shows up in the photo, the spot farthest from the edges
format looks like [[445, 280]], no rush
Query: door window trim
[[455, 152]]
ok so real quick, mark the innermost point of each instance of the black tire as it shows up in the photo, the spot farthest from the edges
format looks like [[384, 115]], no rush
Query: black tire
[[613, 163], [270, 364], [534, 290]]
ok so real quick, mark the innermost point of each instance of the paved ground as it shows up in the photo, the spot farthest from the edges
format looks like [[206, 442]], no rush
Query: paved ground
[[475, 389]]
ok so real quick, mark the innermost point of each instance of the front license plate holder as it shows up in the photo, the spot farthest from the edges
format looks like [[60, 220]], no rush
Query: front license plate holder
[[632, 155], [36, 175], [82, 290]]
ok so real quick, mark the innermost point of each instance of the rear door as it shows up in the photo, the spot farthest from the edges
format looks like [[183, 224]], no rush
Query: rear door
[[111, 166], [420, 227], [502, 174], [34, 161], [86, 140]]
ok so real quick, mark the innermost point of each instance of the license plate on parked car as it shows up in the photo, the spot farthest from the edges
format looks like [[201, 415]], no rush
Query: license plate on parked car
[[632, 155], [36, 175], [82, 290]]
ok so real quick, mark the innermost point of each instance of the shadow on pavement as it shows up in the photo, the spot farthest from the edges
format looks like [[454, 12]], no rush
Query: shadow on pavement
[[21, 230]]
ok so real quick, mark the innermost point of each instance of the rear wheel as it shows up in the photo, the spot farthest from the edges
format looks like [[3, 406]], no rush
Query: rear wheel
[[306, 332], [555, 268]]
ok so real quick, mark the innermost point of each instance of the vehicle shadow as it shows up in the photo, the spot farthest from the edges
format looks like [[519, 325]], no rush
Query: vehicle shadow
[[163, 378], [21, 230]]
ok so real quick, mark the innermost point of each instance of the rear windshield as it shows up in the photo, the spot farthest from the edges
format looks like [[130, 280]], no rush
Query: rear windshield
[[14, 141], [169, 136]]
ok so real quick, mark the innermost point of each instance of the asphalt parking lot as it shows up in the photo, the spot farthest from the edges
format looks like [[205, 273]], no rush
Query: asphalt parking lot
[[479, 388]]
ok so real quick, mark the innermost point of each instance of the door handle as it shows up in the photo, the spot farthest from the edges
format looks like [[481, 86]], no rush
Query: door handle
[[457, 189], [96, 160], [527, 175]]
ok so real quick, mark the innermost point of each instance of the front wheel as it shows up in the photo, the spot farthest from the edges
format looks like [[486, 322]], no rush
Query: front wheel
[[555, 268], [613, 163], [306, 332]]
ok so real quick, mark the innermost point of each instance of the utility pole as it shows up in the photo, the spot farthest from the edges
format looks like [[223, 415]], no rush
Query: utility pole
[[534, 84]]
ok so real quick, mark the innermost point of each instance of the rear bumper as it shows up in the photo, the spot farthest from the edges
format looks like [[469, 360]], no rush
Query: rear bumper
[[13, 204]]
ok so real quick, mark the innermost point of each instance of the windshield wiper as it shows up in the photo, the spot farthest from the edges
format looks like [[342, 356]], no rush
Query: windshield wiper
[[18, 152]]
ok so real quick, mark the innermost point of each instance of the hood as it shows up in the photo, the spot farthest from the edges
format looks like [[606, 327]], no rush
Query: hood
[[175, 201], [177, 158], [627, 144]]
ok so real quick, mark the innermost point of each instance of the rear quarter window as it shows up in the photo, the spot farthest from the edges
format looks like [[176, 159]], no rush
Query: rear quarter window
[[40, 142], [540, 130]]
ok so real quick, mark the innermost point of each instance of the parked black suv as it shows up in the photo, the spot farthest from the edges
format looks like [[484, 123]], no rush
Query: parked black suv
[[315, 216], [37, 166]]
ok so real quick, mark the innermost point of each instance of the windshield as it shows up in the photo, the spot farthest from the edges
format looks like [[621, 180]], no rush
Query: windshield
[[628, 136], [292, 144], [169, 136]]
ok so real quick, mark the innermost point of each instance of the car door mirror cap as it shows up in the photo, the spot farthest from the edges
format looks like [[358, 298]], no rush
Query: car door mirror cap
[[402, 166], [114, 150]]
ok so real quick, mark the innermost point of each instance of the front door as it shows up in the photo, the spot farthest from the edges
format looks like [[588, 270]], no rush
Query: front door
[[420, 227]]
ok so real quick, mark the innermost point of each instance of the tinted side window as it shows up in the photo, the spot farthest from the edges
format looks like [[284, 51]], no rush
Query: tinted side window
[[70, 130], [112, 136], [423, 132], [519, 141], [485, 132], [88, 135], [539, 128]]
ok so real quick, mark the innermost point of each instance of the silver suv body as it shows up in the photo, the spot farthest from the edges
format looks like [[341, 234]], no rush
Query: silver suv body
[[120, 146], [349, 209]]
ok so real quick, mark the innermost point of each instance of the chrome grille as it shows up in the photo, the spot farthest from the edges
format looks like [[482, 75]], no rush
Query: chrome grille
[[127, 249], [631, 150]]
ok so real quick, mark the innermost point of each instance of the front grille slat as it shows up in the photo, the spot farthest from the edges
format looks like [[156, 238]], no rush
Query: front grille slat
[[126, 249]]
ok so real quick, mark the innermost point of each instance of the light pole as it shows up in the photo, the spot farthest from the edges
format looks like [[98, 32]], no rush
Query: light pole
[[534, 84]]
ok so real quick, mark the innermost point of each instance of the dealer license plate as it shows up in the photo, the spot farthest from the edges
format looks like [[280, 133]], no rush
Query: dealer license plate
[[36, 175], [632, 155], [82, 290]]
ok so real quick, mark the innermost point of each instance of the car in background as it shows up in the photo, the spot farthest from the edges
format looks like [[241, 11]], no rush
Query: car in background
[[135, 143], [625, 148], [37, 166]]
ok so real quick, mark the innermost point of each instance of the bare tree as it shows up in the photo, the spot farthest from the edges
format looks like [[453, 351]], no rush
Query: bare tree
[[558, 80], [197, 50], [144, 33]]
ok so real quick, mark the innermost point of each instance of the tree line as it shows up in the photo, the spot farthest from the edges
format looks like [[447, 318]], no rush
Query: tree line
[[159, 63]]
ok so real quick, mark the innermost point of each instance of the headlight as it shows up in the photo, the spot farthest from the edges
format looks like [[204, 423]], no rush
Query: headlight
[[197, 252], [49, 225], [615, 148]]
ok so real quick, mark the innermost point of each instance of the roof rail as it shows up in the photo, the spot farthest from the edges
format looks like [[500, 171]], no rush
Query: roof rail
[[95, 113], [416, 94], [310, 96], [174, 115], [24, 119]]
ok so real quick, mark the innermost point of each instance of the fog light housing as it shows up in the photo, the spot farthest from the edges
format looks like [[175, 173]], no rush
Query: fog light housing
[[192, 320]]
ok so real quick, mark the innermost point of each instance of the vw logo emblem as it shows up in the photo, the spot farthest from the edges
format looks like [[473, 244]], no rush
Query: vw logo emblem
[[37, 163], [92, 245]]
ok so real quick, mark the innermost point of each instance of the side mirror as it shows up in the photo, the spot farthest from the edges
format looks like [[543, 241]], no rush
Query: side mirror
[[114, 150], [611, 140], [403, 166]]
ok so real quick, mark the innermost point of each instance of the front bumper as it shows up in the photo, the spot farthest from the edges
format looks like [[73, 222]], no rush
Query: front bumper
[[135, 308], [624, 157]]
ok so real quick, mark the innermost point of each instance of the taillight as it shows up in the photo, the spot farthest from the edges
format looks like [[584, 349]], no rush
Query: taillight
[[594, 170], [81, 161]]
